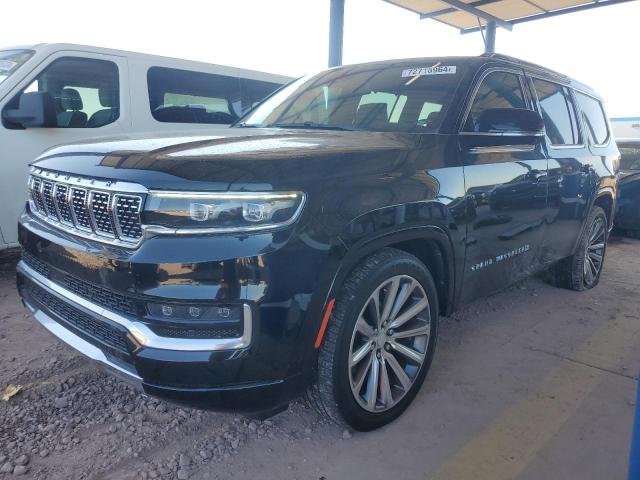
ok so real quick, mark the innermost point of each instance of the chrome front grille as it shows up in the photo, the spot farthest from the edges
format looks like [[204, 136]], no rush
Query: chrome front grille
[[79, 209], [104, 211], [128, 213], [47, 195], [36, 193], [62, 201], [101, 213]]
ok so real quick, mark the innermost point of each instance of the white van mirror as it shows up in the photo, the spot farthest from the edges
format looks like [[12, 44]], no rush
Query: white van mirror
[[35, 109]]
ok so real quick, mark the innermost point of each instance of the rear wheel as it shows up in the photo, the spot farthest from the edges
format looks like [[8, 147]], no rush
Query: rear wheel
[[582, 270], [380, 341]]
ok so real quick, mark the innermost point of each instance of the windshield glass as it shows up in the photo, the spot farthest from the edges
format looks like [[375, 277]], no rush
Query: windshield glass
[[10, 60], [630, 158], [400, 97]]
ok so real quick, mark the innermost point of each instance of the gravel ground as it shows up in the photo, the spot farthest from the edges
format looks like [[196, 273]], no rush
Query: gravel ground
[[72, 421]]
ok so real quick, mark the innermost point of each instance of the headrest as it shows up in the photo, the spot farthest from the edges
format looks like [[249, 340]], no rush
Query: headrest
[[70, 99], [372, 114], [107, 97]]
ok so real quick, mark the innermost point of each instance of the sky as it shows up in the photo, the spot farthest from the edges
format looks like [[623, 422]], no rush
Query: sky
[[600, 47]]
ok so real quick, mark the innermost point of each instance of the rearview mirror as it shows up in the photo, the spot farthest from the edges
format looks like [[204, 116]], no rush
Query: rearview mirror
[[35, 109], [504, 130]]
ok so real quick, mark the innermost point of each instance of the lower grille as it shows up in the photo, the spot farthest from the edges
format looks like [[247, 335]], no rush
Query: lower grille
[[97, 330], [34, 262], [106, 298], [203, 332]]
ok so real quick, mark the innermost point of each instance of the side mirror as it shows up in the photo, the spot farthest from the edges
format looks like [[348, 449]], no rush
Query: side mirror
[[504, 130], [35, 109], [514, 122]]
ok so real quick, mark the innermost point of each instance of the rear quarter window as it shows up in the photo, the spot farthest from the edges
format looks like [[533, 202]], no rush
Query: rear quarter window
[[594, 119]]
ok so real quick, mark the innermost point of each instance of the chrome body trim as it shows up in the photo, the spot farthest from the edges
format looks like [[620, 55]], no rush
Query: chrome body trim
[[503, 149], [89, 183], [138, 330], [503, 134], [81, 345], [159, 230]]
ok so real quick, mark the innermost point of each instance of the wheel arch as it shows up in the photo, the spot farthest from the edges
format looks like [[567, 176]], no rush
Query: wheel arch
[[605, 199], [430, 244]]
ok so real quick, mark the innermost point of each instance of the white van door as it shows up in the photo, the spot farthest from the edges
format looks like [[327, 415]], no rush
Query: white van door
[[91, 97]]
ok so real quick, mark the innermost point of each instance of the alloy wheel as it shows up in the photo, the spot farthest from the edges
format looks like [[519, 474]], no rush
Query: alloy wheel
[[594, 254], [389, 343]]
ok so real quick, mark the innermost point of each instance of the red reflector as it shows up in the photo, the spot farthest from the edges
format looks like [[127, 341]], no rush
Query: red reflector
[[325, 321]]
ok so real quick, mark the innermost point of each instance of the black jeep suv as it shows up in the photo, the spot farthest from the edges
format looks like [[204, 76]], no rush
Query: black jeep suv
[[315, 245]]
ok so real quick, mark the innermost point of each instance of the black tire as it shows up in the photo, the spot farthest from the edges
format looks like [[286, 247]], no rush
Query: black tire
[[332, 394], [570, 272]]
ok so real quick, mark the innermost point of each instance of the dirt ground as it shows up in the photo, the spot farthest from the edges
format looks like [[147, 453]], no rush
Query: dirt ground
[[532, 383]]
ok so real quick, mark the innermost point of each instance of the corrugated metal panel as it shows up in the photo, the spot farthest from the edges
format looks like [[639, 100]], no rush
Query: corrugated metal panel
[[503, 9]]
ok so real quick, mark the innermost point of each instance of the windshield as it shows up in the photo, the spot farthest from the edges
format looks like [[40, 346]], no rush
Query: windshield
[[630, 158], [400, 97], [10, 60]]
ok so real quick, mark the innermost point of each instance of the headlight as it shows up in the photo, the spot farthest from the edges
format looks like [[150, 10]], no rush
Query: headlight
[[227, 211]]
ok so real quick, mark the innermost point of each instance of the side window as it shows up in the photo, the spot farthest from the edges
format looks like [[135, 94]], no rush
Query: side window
[[182, 96], [85, 92], [558, 113], [630, 158], [595, 120], [254, 91], [498, 90]]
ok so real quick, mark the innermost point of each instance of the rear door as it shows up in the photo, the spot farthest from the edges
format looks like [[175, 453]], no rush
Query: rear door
[[506, 193], [570, 178]]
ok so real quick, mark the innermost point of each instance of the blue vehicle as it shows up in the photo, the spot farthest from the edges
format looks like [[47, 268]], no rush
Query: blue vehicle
[[627, 219]]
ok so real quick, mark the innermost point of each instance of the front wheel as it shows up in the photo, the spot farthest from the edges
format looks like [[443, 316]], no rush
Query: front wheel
[[582, 270], [380, 341]]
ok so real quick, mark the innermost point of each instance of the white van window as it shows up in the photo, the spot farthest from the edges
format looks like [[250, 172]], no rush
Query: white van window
[[182, 96], [85, 92], [10, 60]]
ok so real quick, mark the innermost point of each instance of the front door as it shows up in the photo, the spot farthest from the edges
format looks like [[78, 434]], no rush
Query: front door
[[91, 99], [506, 190]]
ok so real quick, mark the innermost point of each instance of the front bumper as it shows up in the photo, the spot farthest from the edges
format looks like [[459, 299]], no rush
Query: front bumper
[[152, 359], [262, 369]]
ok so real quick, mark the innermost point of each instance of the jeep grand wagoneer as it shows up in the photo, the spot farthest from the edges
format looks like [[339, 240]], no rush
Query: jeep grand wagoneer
[[315, 245]]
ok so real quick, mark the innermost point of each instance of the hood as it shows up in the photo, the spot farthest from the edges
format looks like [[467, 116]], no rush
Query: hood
[[241, 158]]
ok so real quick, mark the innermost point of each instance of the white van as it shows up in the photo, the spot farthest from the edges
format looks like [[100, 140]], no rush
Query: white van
[[52, 94]]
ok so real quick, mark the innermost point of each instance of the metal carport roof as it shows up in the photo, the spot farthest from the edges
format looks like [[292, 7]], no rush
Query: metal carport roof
[[470, 16]]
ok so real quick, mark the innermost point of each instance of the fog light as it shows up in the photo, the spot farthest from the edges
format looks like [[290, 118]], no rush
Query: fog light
[[200, 313]]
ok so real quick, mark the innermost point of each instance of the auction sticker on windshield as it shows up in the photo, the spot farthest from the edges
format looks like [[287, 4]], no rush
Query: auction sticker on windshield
[[439, 70]]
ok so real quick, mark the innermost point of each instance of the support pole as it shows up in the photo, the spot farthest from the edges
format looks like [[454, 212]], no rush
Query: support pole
[[336, 27], [490, 38]]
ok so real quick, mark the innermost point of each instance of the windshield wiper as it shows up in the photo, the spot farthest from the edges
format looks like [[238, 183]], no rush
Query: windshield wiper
[[247, 125], [311, 125]]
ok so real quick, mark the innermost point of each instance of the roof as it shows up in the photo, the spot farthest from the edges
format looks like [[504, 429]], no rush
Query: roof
[[477, 61], [49, 48], [469, 15]]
